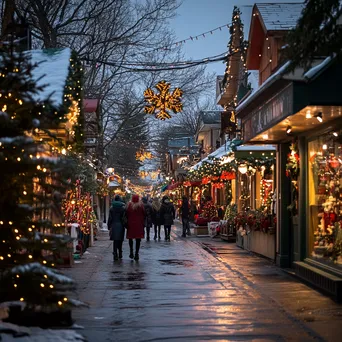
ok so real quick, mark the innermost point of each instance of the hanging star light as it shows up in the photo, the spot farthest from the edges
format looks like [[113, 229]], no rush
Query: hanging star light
[[161, 103]]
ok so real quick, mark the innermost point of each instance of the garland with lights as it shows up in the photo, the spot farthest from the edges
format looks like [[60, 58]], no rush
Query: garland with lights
[[236, 43], [292, 171], [216, 168], [31, 184]]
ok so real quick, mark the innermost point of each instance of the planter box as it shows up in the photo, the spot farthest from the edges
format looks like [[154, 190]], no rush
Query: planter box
[[239, 240], [262, 243], [201, 230]]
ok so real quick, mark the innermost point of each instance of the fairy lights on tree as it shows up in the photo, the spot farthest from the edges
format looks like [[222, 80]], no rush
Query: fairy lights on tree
[[31, 184], [162, 103]]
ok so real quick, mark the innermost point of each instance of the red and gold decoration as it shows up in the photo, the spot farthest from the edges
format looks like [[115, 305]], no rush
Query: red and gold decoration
[[160, 104], [78, 209]]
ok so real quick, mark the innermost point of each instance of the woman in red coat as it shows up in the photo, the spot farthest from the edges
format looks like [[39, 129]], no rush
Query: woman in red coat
[[135, 213]]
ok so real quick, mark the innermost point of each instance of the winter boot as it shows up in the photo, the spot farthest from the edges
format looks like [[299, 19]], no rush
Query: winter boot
[[131, 255], [116, 256], [137, 247], [148, 233], [159, 233], [120, 254], [155, 233]]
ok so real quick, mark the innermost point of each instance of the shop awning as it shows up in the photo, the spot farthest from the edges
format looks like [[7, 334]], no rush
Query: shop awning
[[288, 104]]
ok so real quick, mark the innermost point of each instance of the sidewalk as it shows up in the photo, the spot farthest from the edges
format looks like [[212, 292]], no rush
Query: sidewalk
[[196, 289], [304, 303]]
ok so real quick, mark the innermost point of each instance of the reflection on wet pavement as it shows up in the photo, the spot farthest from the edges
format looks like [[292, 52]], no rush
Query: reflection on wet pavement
[[178, 292]]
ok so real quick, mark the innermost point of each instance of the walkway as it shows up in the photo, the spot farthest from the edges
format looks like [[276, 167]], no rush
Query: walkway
[[180, 292]]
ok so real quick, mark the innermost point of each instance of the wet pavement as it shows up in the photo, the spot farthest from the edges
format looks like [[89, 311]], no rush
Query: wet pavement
[[196, 289]]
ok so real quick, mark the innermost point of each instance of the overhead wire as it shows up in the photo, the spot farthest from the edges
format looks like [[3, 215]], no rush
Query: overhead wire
[[183, 41]]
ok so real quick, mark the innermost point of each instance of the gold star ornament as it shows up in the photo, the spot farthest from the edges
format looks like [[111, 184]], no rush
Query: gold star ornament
[[162, 103]]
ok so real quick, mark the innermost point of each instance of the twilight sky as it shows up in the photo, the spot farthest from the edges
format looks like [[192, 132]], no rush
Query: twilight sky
[[198, 16]]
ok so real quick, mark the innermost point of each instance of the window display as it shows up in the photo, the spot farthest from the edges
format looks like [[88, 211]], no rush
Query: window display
[[325, 199]]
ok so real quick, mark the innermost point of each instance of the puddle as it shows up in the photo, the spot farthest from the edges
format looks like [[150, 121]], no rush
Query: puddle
[[177, 262], [130, 276], [170, 273]]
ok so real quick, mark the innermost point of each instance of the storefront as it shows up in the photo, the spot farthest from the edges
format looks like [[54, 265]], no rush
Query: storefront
[[256, 209], [303, 116]]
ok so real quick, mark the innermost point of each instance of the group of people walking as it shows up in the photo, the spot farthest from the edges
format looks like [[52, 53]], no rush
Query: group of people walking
[[136, 217]]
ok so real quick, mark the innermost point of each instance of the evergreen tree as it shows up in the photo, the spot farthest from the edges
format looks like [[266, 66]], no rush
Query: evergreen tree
[[29, 183], [318, 33]]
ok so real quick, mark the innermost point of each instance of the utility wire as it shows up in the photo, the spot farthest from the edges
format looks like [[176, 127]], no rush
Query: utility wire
[[167, 66]]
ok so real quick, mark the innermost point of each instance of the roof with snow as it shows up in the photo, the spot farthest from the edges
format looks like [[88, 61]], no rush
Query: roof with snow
[[52, 72], [280, 16]]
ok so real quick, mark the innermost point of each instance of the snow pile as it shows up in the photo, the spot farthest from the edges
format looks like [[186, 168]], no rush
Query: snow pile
[[52, 72], [37, 268]]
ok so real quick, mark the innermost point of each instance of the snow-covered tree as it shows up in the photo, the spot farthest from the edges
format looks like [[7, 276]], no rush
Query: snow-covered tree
[[30, 183]]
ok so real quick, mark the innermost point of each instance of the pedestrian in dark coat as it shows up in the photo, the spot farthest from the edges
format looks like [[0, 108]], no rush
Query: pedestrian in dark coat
[[185, 212], [135, 213], [156, 218], [167, 213], [148, 217], [116, 227]]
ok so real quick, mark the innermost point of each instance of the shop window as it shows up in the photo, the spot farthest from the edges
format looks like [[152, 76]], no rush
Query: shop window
[[325, 199]]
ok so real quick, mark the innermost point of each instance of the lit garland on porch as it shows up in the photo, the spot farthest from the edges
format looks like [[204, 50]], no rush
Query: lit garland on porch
[[215, 168]]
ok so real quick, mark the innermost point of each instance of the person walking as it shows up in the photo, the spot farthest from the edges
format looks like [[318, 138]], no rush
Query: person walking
[[185, 212], [135, 213], [156, 219], [167, 213], [148, 217], [116, 226]]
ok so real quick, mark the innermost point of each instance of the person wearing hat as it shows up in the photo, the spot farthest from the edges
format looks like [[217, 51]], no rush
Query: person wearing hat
[[167, 214], [135, 213], [116, 226]]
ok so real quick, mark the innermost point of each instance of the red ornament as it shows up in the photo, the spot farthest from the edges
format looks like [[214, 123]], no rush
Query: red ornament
[[334, 163]]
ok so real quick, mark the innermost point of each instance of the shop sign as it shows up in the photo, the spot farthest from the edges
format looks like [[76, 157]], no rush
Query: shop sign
[[265, 116]]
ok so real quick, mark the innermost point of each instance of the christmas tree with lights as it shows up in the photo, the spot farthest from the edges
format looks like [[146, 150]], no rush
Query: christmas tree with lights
[[31, 185]]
